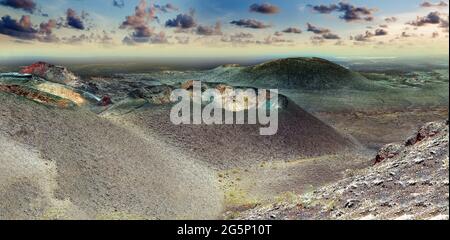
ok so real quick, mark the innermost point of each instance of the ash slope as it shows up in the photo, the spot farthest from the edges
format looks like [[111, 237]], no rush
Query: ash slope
[[300, 135], [411, 182], [84, 166]]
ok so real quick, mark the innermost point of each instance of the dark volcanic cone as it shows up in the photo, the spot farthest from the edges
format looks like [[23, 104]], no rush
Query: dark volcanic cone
[[303, 73], [223, 146]]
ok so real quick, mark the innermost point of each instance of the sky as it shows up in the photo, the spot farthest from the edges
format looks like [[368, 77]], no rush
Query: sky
[[223, 28]]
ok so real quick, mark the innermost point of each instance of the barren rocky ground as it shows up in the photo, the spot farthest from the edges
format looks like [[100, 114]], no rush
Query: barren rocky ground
[[96, 168], [409, 181], [102, 147]]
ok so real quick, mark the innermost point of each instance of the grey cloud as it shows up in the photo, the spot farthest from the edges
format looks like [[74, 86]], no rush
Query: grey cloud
[[73, 20], [265, 8], [292, 30], [250, 23], [166, 7], [145, 35], [316, 30], [325, 34], [184, 21], [142, 33], [324, 9], [431, 18], [330, 36], [441, 4], [24, 30], [239, 38], [368, 35], [363, 37], [391, 19], [21, 29], [269, 40], [317, 40], [350, 12], [380, 32], [210, 30], [141, 16], [278, 34], [26, 5]]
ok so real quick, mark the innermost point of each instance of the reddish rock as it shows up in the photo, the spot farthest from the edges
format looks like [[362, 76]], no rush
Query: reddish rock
[[38, 69], [105, 101], [388, 151], [36, 96], [50, 72], [429, 130]]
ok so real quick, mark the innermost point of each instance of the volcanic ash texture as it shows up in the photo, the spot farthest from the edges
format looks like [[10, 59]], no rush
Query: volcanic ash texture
[[58, 163], [299, 135]]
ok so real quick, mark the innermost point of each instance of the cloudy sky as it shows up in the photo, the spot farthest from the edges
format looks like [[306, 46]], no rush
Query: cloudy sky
[[182, 28]]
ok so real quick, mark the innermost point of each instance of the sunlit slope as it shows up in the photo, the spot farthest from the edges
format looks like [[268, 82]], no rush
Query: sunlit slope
[[101, 169]]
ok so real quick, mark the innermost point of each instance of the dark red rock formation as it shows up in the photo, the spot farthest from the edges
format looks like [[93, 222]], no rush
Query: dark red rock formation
[[36, 96], [105, 101], [50, 72], [38, 69]]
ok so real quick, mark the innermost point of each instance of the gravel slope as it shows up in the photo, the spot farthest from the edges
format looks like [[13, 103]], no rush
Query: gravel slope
[[410, 182], [96, 168], [300, 135]]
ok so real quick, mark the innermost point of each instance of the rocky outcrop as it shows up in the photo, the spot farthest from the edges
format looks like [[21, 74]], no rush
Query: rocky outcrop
[[117, 90], [388, 151], [154, 94], [36, 96], [51, 73], [429, 130], [411, 183], [393, 149]]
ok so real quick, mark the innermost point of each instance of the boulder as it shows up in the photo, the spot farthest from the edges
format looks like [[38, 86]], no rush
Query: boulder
[[105, 101], [388, 151]]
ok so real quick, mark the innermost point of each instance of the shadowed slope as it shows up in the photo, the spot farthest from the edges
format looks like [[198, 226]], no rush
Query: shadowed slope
[[224, 146]]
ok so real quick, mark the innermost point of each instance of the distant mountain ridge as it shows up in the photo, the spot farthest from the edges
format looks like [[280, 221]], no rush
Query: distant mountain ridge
[[298, 73], [306, 73], [302, 73]]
